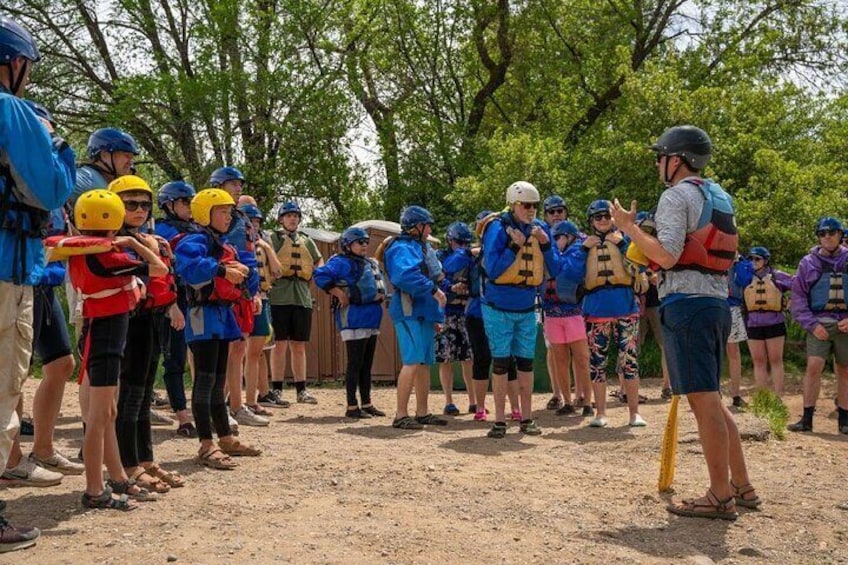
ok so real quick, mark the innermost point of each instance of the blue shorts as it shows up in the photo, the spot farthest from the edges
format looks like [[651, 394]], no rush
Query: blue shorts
[[416, 342], [50, 330], [510, 333], [262, 322], [695, 331]]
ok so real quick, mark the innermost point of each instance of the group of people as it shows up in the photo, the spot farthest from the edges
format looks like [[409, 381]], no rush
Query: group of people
[[206, 285]]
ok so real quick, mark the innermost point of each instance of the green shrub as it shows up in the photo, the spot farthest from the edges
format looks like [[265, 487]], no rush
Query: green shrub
[[768, 406]]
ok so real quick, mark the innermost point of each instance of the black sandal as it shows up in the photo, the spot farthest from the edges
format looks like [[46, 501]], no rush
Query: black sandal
[[105, 501], [431, 420], [407, 423], [123, 488], [740, 492]]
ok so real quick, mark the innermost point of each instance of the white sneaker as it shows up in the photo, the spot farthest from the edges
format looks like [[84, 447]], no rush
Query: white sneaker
[[28, 474], [59, 463], [637, 422], [598, 422], [245, 416], [305, 397]]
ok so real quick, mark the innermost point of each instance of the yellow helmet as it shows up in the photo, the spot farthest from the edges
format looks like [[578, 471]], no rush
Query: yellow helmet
[[127, 183], [99, 210], [202, 203]]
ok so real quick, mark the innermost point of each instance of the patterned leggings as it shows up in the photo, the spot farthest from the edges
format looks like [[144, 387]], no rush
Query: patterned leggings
[[600, 334]]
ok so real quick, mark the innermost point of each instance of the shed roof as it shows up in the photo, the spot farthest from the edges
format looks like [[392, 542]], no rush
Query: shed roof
[[321, 235], [388, 226]]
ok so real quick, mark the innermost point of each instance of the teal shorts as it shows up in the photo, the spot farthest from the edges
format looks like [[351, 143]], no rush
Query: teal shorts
[[510, 334], [416, 341], [262, 322]]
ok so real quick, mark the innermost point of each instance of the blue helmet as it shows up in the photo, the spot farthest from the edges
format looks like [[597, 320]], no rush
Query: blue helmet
[[350, 235], [596, 207], [566, 227], [173, 190], [252, 212], [760, 251], [41, 112], [459, 232], [414, 215], [222, 175], [828, 223], [15, 41], [482, 215], [554, 201], [289, 207], [110, 140]]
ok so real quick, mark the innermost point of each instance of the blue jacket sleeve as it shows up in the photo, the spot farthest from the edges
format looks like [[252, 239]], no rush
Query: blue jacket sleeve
[[405, 271], [574, 263], [43, 167], [53, 274], [167, 231], [498, 254], [743, 274], [194, 266], [328, 276], [248, 259]]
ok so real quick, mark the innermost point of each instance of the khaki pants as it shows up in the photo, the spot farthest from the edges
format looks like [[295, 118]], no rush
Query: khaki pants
[[15, 352]]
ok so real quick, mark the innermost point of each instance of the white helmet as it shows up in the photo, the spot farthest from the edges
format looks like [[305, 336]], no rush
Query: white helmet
[[521, 191]]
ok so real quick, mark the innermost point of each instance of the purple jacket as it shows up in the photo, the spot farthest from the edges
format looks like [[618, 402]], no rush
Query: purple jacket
[[809, 271], [759, 318]]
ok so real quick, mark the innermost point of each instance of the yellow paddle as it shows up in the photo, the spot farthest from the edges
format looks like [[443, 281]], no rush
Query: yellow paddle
[[668, 453]]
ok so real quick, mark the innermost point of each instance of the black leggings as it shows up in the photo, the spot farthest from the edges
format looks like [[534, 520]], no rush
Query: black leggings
[[135, 393], [207, 396], [360, 356], [480, 352]]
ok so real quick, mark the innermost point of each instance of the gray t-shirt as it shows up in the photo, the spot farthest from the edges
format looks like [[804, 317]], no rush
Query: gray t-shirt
[[677, 214]]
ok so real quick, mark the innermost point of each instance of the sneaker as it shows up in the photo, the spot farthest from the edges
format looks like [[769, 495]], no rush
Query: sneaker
[[274, 399], [28, 474], [159, 419], [588, 411], [58, 463], [739, 403], [305, 397], [233, 424], [245, 415], [515, 416], [566, 410], [554, 403], [431, 420], [373, 411], [667, 393], [498, 431], [530, 428], [259, 410], [159, 401], [357, 413], [480, 416], [27, 427], [637, 422], [451, 410], [800, 426], [16, 537], [598, 422]]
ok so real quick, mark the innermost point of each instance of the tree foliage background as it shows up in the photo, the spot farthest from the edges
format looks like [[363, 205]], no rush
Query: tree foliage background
[[358, 107]]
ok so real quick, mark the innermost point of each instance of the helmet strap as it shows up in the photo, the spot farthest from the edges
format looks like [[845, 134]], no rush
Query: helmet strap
[[15, 82]]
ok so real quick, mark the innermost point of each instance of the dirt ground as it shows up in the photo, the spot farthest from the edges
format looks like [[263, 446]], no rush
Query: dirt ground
[[332, 490]]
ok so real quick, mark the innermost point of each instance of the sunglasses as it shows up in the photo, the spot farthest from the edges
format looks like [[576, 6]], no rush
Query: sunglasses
[[184, 199], [556, 211], [823, 233], [603, 216], [362, 241], [755, 258], [530, 205], [133, 205]]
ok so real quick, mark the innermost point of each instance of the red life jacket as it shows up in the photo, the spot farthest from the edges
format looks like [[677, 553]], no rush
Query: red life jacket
[[162, 291], [104, 296], [219, 290]]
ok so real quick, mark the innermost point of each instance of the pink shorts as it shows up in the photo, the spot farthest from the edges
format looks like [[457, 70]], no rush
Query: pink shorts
[[565, 330]]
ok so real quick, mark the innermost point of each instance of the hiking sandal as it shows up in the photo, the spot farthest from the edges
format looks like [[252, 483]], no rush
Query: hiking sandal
[[431, 420], [170, 478], [153, 484], [745, 496], [498, 431], [708, 506], [407, 423], [237, 449], [208, 459], [124, 487], [105, 501]]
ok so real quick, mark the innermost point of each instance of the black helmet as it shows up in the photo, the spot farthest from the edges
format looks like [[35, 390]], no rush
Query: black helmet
[[691, 144]]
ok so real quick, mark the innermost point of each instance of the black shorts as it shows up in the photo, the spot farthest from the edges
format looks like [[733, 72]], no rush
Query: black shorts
[[50, 330], [767, 332], [291, 323], [102, 343]]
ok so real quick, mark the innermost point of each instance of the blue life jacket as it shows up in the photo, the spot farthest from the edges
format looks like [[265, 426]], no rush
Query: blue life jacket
[[828, 293], [370, 286]]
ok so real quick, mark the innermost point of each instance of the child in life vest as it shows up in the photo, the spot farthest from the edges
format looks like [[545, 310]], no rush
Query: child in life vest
[[215, 280], [356, 283], [108, 286], [138, 372]]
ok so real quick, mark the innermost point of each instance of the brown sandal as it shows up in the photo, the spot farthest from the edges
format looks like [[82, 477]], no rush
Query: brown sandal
[[208, 459], [153, 484], [237, 449], [708, 506], [171, 478], [745, 496]]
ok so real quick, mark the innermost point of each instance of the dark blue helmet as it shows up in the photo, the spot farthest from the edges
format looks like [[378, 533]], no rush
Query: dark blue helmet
[[110, 140], [690, 143], [482, 215], [289, 207], [350, 235], [554, 201], [828, 223], [41, 112], [597, 207], [641, 216], [566, 227], [222, 175], [459, 232], [760, 251], [252, 212], [15, 41], [173, 190], [414, 215]]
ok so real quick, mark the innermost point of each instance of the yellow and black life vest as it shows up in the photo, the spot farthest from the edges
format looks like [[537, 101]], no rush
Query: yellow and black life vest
[[762, 295], [294, 255], [528, 268], [605, 268], [266, 279]]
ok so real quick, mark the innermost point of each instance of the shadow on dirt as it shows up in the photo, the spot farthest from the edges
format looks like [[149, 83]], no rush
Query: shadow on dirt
[[680, 539]]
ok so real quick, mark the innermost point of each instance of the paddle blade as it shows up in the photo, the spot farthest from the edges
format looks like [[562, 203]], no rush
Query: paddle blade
[[668, 454]]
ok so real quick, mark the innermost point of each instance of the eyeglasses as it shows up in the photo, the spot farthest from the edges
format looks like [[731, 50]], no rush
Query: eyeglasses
[[362, 241], [822, 233], [133, 205], [184, 199], [530, 205], [555, 211], [602, 216]]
